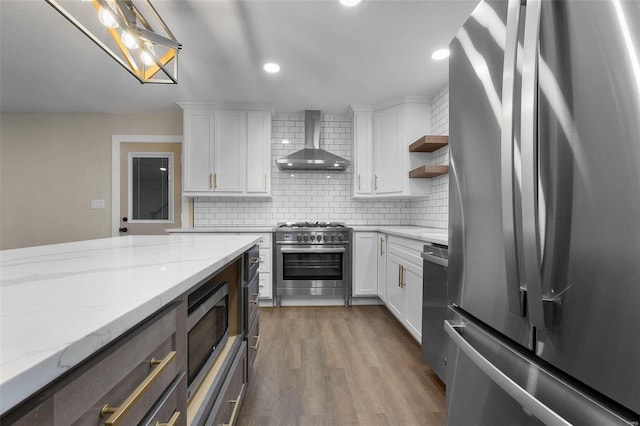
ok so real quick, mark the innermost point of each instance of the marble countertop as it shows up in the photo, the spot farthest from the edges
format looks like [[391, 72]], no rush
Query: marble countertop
[[61, 303], [421, 233]]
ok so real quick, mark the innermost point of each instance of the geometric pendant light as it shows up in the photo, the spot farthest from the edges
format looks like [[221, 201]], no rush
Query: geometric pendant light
[[131, 32]]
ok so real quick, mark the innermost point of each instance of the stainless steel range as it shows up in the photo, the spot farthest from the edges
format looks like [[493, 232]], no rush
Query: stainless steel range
[[312, 259]]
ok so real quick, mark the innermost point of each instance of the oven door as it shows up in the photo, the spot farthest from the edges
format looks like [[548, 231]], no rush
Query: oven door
[[308, 266]]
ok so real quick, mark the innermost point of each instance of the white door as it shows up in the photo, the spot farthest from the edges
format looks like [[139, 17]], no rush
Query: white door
[[365, 265], [363, 144], [259, 152], [198, 150], [150, 187], [230, 151], [412, 279], [395, 294], [388, 151], [381, 252]]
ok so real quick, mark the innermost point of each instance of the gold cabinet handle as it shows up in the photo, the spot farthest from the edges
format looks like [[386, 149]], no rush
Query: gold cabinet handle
[[402, 276], [265, 182], [255, 301], [358, 182], [234, 413], [119, 412], [399, 276], [256, 260], [215, 181], [210, 180], [376, 183], [380, 246], [172, 421], [257, 345]]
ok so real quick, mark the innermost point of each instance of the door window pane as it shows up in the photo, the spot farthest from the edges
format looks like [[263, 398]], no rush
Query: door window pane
[[150, 189]]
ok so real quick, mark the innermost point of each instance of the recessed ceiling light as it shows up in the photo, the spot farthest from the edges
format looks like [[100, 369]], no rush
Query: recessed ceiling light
[[440, 54], [285, 140], [271, 67], [350, 3]]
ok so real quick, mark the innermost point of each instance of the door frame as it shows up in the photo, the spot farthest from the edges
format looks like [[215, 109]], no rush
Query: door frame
[[116, 140]]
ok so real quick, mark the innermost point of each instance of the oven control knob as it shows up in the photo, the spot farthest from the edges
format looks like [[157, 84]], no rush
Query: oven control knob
[[326, 238], [299, 238], [306, 237], [313, 237], [340, 237], [333, 237]]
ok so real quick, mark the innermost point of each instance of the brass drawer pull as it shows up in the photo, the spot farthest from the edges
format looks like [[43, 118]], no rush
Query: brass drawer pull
[[234, 413], [256, 260], [257, 345], [119, 412], [255, 301], [172, 421]]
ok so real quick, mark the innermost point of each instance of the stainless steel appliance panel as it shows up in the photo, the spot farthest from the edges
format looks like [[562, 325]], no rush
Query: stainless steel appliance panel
[[434, 308], [478, 261], [589, 198], [493, 382]]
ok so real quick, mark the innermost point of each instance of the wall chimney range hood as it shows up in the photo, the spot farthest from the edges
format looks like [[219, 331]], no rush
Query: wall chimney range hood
[[312, 157]]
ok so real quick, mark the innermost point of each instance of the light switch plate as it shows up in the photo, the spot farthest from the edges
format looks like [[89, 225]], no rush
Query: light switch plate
[[97, 204]]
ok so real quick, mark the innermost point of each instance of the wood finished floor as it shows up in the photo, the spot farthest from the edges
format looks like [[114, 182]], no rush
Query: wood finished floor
[[338, 366]]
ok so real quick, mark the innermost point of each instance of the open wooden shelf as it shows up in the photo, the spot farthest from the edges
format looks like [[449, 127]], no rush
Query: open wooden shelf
[[429, 143], [429, 171]]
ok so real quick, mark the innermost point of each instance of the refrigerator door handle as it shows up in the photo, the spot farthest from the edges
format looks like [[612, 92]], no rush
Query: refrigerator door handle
[[528, 401], [514, 295], [530, 221]]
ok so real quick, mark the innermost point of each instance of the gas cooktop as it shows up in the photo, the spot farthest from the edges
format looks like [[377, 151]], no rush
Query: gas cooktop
[[311, 225]]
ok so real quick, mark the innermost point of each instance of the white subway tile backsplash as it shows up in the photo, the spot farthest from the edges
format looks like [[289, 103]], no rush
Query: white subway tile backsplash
[[302, 195]]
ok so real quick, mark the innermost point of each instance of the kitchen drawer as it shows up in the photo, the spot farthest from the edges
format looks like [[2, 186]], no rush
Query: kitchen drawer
[[253, 343], [227, 406], [407, 249], [265, 260], [166, 410], [265, 286], [147, 357], [147, 361]]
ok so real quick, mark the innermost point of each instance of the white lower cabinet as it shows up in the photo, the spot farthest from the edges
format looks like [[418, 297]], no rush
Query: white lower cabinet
[[404, 283], [381, 254], [365, 264], [265, 284]]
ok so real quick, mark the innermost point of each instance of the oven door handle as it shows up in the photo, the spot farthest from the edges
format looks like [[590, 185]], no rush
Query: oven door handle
[[313, 250]]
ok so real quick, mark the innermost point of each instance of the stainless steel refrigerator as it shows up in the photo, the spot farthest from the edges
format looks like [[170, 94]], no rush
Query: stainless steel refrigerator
[[544, 216]]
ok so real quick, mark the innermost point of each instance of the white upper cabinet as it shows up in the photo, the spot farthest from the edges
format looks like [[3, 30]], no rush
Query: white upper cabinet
[[226, 152], [382, 135], [362, 122], [230, 151], [259, 152]]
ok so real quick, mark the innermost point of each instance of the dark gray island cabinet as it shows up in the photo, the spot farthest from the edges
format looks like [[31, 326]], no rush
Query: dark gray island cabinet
[[142, 376]]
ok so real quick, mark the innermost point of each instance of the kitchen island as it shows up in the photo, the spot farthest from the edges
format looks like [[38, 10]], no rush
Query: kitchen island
[[63, 303]]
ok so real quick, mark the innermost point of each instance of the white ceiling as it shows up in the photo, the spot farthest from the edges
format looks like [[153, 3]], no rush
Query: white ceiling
[[331, 56]]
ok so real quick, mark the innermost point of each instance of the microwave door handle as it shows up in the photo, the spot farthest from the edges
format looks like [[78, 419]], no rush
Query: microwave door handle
[[514, 293], [313, 250], [530, 220]]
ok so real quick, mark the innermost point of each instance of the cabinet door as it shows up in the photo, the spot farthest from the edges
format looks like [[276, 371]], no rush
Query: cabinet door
[[259, 152], [412, 283], [382, 267], [365, 264], [388, 151], [395, 294], [264, 286], [230, 151], [363, 157], [197, 150]]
